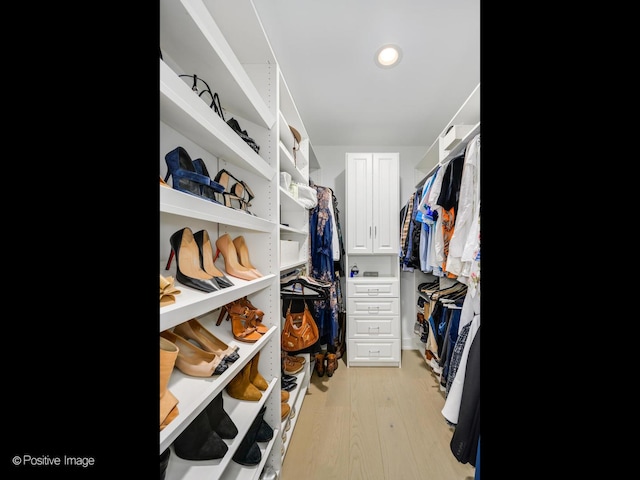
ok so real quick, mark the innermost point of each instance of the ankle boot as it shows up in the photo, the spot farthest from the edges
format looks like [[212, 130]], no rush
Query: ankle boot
[[255, 377], [199, 442], [320, 364], [249, 452], [168, 403], [219, 419], [265, 432], [332, 363], [240, 386]]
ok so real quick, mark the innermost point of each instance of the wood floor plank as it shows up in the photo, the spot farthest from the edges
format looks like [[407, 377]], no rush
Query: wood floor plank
[[374, 423]]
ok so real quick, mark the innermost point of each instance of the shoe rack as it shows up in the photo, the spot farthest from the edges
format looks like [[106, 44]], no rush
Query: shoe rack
[[223, 43]]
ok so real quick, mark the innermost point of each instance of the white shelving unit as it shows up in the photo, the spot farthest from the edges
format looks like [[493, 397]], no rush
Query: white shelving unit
[[452, 141], [224, 44]]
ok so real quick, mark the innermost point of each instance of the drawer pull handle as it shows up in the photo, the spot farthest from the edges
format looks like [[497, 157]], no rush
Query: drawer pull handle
[[372, 291], [371, 352], [377, 329], [373, 309]]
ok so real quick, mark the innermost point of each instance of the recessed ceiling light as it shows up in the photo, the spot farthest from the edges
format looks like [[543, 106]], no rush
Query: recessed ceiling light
[[388, 55]]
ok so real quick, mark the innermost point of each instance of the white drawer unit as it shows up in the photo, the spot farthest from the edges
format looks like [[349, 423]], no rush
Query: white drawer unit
[[374, 353], [383, 326], [366, 288], [373, 323]]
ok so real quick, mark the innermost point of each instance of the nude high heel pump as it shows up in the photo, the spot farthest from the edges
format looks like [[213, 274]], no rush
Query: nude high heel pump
[[243, 254], [194, 330], [205, 248], [225, 245], [188, 270], [192, 360]]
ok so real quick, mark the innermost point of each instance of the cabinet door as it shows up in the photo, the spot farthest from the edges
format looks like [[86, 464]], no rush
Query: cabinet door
[[359, 183], [386, 215]]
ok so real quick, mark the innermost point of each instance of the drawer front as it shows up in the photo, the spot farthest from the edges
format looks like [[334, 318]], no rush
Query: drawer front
[[383, 288], [373, 327], [372, 351], [373, 307]]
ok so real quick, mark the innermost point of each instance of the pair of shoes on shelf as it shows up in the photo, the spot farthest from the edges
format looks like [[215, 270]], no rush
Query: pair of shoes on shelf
[[195, 361], [195, 265], [203, 439], [249, 452], [246, 320], [236, 257], [249, 383], [236, 193], [191, 176], [194, 331]]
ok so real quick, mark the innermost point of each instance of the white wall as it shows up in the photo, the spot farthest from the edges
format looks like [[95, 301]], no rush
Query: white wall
[[331, 175]]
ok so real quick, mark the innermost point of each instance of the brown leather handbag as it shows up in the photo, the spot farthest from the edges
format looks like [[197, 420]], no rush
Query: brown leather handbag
[[299, 331]]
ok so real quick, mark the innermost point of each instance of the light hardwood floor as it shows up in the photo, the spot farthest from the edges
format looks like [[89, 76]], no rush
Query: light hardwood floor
[[373, 423]]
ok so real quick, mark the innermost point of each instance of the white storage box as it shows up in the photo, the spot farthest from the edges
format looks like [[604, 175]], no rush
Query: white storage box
[[285, 181], [454, 135], [289, 251]]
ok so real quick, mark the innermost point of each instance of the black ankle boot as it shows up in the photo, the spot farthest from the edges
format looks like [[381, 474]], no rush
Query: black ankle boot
[[199, 442], [219, 420], [249, 452], [265, 432]]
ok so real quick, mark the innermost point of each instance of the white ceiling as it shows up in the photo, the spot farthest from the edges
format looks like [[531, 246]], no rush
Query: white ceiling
[[326, 48]]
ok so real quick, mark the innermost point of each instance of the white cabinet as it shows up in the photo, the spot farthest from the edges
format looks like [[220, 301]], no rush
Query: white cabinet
[[224, 44], [372, 202], [372, 237]]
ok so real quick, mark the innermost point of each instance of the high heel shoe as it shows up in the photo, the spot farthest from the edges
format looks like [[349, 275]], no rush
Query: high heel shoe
[[194, 330], [192, 360], [185, 178], [258, 315], [234, 196], [205, 248], [243, 254], [225, 245], [188, 269], [214, 189], [241, 329], [253, 315]]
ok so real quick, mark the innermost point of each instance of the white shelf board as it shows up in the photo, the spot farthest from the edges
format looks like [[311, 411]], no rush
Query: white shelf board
[[195, 393], [288, 202], [189, 32], [191, 303], [287, 164], [185, 112], [190, 206]]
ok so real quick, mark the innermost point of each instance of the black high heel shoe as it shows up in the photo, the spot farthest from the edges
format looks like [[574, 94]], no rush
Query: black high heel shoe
[[238, 195], [188, 269], [206, 259], [185, 177]]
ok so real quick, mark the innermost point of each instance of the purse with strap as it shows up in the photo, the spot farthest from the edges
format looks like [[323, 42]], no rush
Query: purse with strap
[[299, 331]]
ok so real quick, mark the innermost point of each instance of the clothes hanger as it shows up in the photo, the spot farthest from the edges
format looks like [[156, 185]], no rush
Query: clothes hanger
[[321, 293]]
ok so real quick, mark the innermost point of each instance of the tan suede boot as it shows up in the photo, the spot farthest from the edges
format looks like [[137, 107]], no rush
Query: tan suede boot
[[240, 386], [255, 377]]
